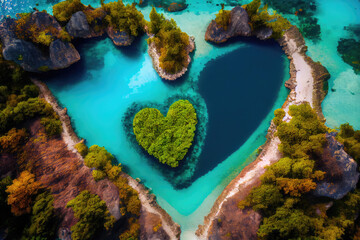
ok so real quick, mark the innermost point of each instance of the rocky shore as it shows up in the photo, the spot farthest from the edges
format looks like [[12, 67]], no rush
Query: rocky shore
[[155, 56], [307, 84], [152, 216]]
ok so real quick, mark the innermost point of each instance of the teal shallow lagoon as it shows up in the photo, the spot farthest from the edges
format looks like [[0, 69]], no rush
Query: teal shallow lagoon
[[186, 207]]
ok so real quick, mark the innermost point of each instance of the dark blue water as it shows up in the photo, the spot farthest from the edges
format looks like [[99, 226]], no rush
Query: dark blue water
[[244, 89]]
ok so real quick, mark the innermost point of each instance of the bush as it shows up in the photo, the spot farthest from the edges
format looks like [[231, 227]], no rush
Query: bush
[[166, 138], [64, 10], [82, 148], [223, 18], [52, 126], [27, 29], [92, 215]]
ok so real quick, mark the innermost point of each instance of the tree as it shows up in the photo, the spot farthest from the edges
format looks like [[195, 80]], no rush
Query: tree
[[92, 214], [13, 140], [21, 192], [43, 222], [98, 158], [156, 20]]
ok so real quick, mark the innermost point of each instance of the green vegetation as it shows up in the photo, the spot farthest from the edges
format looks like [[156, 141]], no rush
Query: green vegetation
[[27, 29], [282, 198], [64, 10], [130, 205], [21, 192], [260, 17], [223, 18], [43, 221], [351, 140], [92, 214], [169, 41], [166, 138], [124, 18], [82, 148]]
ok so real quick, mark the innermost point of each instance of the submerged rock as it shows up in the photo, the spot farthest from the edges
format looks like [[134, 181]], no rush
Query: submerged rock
[[239, 26], [119, 38], [176, 7], [78, 26], [338, 188]]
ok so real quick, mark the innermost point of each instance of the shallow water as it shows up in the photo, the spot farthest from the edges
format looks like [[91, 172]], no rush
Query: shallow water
[[99, 90]]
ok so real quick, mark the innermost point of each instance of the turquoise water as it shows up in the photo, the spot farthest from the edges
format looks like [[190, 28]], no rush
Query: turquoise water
[[98, 91]]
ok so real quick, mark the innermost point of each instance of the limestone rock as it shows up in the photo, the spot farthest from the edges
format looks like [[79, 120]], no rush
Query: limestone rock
[[119, 38], [62, 54], [30, 56], [239, 26], [78, 26], [263, 33], [350, 176]]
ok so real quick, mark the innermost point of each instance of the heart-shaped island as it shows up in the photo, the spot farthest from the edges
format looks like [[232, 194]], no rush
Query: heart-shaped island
[[166, 138]]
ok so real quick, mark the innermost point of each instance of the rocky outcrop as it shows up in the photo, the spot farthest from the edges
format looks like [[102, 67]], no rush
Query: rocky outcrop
[[119, 38], [337, 189], [155, 56], [263, 33], [43, 21], [239, 26], [30, 56], [78, 26], [62, 54]]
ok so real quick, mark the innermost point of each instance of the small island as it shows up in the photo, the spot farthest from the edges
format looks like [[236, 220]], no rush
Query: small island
[[169, 47], [166, 138]]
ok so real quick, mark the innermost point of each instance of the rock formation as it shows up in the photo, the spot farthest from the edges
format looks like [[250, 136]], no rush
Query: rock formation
[[337, 189], [239, 26], [78, 26], [155, 56], [30, 56], [119, 38]]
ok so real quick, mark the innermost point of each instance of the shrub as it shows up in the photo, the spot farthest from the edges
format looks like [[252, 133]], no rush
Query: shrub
[[223, 18], [82, 148], [52, 126], [64, 10]]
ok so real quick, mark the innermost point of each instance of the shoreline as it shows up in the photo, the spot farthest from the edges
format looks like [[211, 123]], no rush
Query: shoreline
[[307, 83], [148, 201], [155, 56]]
